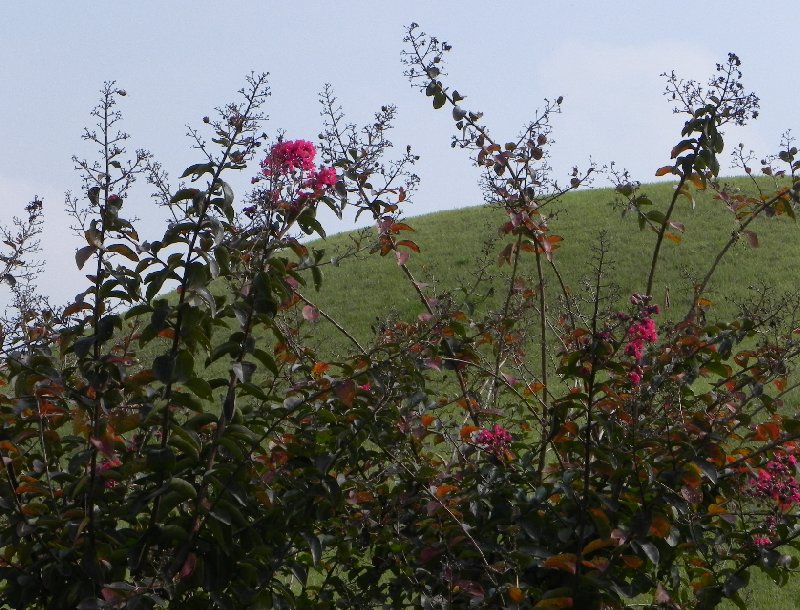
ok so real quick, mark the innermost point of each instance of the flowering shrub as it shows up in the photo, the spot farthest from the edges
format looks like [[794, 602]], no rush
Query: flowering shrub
[[198, 452]]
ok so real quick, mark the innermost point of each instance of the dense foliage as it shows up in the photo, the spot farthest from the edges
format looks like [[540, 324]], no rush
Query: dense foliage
[[194, 450]]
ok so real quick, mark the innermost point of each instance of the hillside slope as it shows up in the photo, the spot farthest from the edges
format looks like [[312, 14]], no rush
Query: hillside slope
[[362, 290]]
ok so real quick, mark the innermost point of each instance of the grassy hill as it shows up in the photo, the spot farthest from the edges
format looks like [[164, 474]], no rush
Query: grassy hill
[[453, 245]]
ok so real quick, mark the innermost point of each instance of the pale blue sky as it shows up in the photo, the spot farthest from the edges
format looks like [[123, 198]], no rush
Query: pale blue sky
[[179, 59]]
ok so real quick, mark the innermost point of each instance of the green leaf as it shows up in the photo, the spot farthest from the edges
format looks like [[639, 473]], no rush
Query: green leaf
[[183, 487], [82, 346], [316, 273], [227, 193], [792, 426], [229, 347], [94, 195], [138, 310], [162, 368], [267, 360], [189, 401], [656, 216], [200, 387], [221, 515], [160, 459], [197, 170], [651, 551], [184, 366], [707, 469], [93, 236], [315, 546], [82, 255], [243, 371], [183, 194]]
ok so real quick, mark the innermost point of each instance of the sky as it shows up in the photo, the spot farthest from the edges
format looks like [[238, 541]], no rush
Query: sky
[[178, 60]]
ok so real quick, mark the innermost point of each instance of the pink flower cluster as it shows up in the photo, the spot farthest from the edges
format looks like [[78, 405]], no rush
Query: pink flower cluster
[[324, 178], [286, 157], [776, 481], [495, 441], [640, 332]]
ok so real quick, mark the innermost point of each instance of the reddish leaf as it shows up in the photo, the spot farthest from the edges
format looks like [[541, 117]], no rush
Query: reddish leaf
[[565, 562], [555, 602], [407, 243], [400, 226], [319, 368], [466, 432], [682, 146], [632, 561], [471, 588], [767, 430], [346, 392], [75, 308], [402, 257], [752, 238], [698, 182], [443, 490], [663, 171], [660, 525], [597, 544], [188, 566], [429, 553], [535, 387]]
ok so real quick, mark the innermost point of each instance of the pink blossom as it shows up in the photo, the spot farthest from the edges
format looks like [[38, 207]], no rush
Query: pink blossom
[[776, 481], [635, 349], [495, 441], [639, 333], [635, 377], [286, 157], [761, 541], [326, 177]]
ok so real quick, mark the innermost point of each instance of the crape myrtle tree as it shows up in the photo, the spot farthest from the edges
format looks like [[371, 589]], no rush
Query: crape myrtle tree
[[191, 449]]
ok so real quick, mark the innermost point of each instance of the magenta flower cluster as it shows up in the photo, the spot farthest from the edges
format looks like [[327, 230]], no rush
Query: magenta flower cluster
[[495, 441], [640, 332], [776, 481], [286, 157], [292, 156]]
